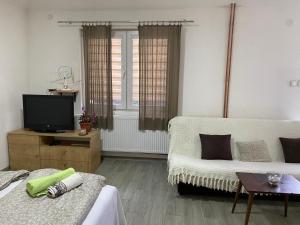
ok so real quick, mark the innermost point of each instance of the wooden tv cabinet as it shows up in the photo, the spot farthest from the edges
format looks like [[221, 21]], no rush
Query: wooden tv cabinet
[[32, 150]]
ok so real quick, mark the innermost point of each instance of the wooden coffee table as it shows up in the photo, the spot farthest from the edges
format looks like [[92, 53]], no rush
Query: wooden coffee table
[[255, 183]]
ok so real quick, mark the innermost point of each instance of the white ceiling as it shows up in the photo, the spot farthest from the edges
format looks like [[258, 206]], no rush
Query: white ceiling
[[135, 4]]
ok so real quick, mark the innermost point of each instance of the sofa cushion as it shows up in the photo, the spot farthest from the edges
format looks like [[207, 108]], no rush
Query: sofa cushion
[[254, 151], [221, 174], [215, 147], [185, 132], [291, 149]]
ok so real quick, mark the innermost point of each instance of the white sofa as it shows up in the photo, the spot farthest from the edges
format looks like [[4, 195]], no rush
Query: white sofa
[[184, 159]]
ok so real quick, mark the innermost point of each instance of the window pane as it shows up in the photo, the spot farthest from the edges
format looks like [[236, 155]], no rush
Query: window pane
[[135, 72], [116, 55]]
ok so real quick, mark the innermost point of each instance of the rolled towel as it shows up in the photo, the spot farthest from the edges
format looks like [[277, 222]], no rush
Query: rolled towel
[[38, 187], [64, 186]]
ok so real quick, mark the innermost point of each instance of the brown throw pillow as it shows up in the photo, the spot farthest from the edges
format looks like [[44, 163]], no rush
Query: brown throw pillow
[[216, 146], [291, 149]]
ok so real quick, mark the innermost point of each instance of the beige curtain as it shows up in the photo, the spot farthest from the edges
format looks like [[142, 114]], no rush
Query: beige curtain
[[98, 74], [159, 56]]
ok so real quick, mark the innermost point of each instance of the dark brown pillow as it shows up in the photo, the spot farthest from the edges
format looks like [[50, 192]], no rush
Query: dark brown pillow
[[216, 146], [291, 149]]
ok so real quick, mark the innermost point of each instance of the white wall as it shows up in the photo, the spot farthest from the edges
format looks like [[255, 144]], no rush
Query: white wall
[[13, 71], [266, 55], [203, 49]]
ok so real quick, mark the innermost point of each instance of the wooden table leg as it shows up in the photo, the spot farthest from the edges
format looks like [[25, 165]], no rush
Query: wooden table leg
[[238, 191], [250, 201], [286, 202]]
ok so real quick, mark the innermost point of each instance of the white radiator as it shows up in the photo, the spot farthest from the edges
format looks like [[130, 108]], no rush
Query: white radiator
[[125, 137]]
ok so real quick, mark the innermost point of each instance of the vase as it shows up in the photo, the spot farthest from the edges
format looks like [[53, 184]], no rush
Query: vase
[[86, 126]]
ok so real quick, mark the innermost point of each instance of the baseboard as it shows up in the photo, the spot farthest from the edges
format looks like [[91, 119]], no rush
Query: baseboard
[[134, 155], [5, 169]]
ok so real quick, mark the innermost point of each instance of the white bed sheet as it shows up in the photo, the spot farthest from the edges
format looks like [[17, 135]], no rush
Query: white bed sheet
[[107, 209]]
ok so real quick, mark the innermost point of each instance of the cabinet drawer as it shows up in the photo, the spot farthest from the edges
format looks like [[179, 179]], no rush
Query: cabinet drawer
[[25, 163], [16, 157], [67, 153], [24, 150], [23, 139], [64, 164]]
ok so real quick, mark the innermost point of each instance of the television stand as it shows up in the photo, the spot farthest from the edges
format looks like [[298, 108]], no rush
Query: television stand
[[33, 150], [50, 131]]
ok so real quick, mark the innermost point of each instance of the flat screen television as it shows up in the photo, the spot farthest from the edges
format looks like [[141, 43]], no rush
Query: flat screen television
[[48, 113]]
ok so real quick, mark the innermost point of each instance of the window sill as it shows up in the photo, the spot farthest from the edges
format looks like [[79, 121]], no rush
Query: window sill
[[131, 113]]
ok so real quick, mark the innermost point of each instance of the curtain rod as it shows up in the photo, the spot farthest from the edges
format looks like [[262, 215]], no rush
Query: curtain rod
[[124, 21]]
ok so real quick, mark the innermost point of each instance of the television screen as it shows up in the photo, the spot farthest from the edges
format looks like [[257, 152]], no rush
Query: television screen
[[48, 112]]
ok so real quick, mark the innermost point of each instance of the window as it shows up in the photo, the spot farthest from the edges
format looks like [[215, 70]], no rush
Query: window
[[125, 69]]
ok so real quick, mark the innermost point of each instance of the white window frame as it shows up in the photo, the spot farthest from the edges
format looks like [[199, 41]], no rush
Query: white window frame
[[130, 36], [122, 36], [126, 68]]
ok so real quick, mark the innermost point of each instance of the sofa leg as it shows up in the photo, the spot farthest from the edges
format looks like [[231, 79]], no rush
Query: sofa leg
[[189, 189], [180, 189], [185, 189]]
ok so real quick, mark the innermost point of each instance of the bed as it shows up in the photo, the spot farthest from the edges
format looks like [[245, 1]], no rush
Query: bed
[[107, 209]]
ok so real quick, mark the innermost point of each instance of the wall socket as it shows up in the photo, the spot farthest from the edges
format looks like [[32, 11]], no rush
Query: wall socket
[[294, 83]]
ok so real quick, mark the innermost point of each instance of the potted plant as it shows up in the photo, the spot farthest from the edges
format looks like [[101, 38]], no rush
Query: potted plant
[[87, 121]]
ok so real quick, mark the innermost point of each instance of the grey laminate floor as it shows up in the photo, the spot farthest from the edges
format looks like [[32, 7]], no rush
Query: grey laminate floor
[[148, 199]]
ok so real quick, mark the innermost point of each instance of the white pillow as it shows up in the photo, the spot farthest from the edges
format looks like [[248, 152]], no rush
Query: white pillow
[[254, 151]]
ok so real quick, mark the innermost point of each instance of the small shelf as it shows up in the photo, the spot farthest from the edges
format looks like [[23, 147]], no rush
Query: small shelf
[[64, 92]]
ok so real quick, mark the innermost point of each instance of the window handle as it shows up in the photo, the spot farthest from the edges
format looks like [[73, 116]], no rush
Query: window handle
[[123, 74]]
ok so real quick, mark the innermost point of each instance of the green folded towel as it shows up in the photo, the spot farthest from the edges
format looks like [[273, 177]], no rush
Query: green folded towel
[[38, 187]]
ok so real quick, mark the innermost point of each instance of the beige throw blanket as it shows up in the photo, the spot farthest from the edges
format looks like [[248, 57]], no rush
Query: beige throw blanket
[[18, 208]]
